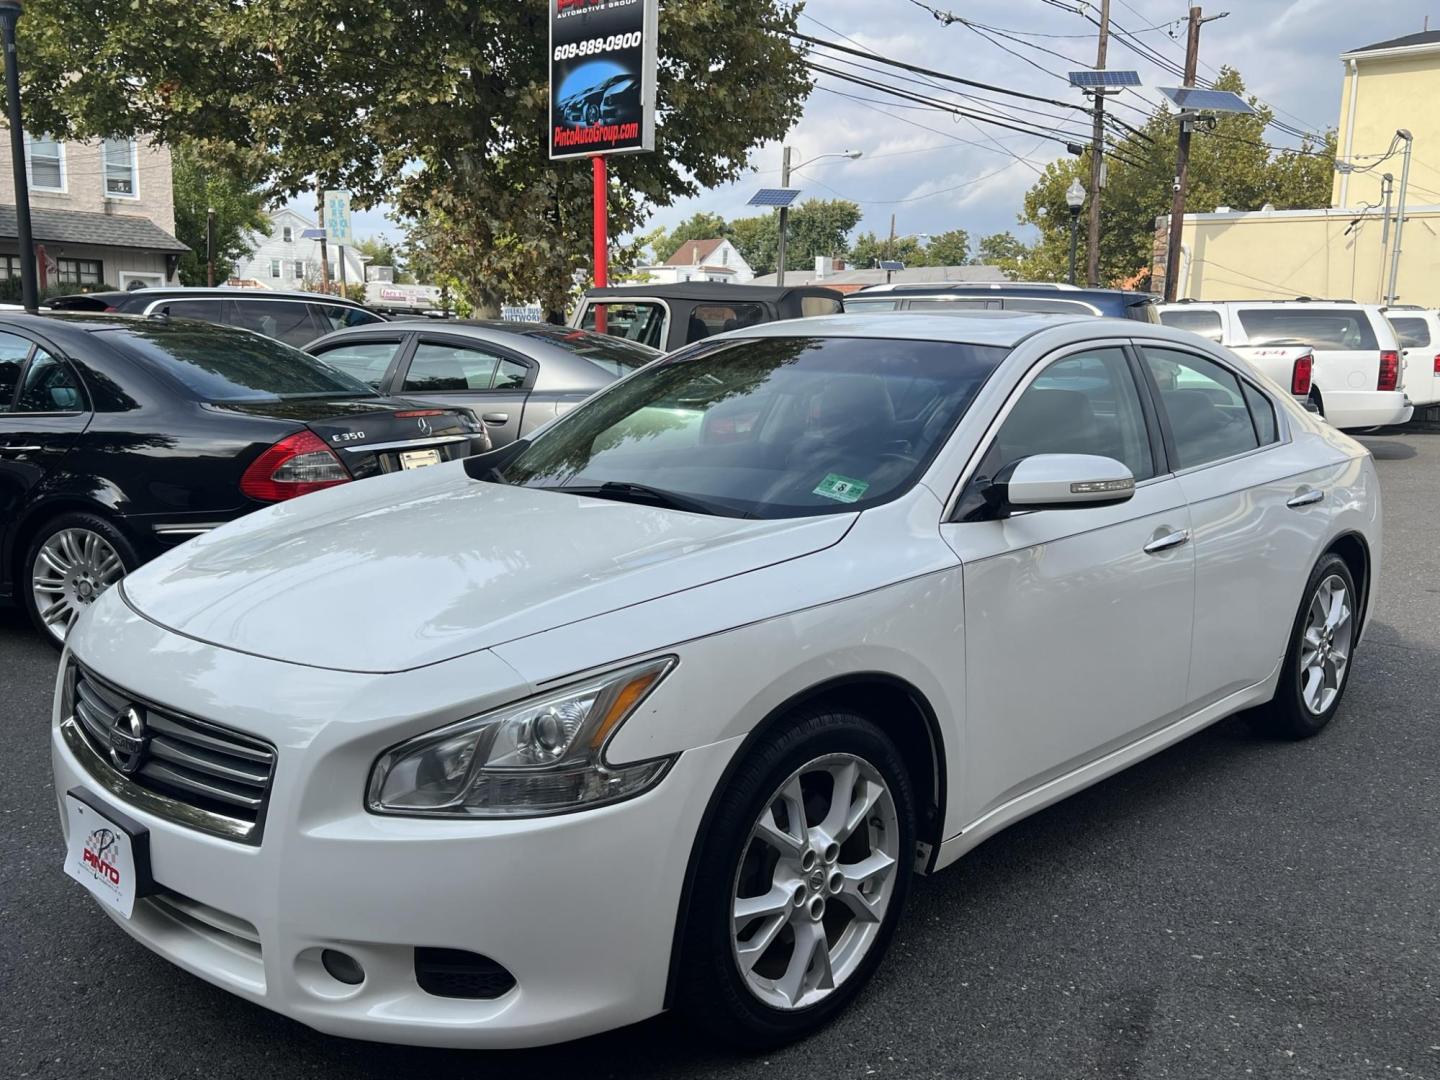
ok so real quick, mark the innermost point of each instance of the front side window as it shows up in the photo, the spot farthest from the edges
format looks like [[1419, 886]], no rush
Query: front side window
[[1338, 329], [287, 320], [13, 351], [120, 170], [365, 360], [450, 368], [221, 364], [766, 427], [641, 322], [50, 387], [1205, 323], [47, 163], [1209, 417], [79, 271], [1414, 333]]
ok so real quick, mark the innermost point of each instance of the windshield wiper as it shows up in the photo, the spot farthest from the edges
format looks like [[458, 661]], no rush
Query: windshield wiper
[[624, 491]]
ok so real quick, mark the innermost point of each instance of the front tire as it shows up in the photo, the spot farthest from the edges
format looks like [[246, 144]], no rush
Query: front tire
[[69, 563], [1317, 662], [800, 882]]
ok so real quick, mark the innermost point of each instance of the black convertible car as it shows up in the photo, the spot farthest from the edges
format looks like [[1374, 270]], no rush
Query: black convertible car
[[122, 436]]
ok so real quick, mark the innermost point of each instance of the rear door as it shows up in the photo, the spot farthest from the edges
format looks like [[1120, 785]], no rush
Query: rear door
[[43, 410], [466, 373]]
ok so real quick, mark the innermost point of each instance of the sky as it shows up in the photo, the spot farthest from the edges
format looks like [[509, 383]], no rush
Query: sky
[[935, 172]]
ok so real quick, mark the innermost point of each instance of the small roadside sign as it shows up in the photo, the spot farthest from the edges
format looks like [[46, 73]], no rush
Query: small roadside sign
[[337, 217]]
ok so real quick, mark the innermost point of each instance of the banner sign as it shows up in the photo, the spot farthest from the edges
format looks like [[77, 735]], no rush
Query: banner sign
[[602, 76], [337, 217]]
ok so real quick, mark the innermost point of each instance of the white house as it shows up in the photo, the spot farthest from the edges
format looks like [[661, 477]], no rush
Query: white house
[[702, 260], [283, 260]]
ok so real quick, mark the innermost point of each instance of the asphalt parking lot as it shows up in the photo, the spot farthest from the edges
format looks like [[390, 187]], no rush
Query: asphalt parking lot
[[1232, 907]]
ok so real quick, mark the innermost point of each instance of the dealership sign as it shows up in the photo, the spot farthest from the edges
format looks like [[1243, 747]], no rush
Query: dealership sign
[[602, 76]]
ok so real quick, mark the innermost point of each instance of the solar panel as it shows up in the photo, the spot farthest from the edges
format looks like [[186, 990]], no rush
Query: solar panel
[[1104, 78], [1194, 98], [312, 234], [891, 264], [774, 196]]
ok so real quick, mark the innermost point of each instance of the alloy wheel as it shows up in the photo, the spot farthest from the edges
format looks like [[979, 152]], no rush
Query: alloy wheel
[[1325, 645], [815, 881], [71, 569]]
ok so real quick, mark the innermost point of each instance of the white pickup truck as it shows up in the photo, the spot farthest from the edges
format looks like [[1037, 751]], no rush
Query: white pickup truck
[[1356, 380]]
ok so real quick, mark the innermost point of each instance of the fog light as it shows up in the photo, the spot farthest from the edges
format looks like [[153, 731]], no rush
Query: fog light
[[342, 967]]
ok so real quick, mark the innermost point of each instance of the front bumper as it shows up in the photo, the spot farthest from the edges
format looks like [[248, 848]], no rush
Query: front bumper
[[580, 908]]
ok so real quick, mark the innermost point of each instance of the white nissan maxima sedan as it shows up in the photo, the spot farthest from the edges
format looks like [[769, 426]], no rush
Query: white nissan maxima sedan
[[665, 707]]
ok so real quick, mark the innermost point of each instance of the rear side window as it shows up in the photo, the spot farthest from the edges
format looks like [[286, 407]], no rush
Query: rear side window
[[450, 368], [365, 360], [50, 387], [1336, 329], [718, 318], [819, 305], [1413, 333], [1208, 414], [339, 316], [284, 320], [204, 310], [1205, 323], [942, 304], [1042, 305], [869, 305], [13, 351], [1263, 413]]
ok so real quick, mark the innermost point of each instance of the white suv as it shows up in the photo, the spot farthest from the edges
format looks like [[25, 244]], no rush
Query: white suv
[[1357, 381], [1419, 332]]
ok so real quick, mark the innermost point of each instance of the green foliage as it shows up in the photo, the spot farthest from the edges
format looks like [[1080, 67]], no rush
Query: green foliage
[[1229, 166], [948, 249], [439, 106], [1002, 249], [382, 253], [816, 227], [10, 290], [869, 249], [201, 184], [699, 226]]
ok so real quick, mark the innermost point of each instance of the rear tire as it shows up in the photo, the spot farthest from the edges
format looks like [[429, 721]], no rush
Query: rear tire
[[69, 563], [1318, 658], [829, 877]]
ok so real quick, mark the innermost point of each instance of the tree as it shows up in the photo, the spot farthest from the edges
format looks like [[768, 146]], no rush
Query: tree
[[868, 249], [758, 241], [1230, 165], [438, 106], [816, 227], [239, 207], [948, 249], [1004, 250], [382, 252], [699, 226]]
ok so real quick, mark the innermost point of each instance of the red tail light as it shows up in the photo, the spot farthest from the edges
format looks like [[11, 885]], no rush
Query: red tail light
[[1437, 365], [297, 465], [1300, 377], [1389, 370], [111, 307], [410, 414]]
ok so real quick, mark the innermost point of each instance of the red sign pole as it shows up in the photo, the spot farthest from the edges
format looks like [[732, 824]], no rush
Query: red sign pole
[[602, 237]]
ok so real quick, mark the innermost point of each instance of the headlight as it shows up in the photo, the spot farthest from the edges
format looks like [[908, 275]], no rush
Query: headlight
[[541, 756]]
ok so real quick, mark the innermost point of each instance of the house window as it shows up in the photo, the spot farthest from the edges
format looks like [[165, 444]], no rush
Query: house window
[[79, 271], [47, 162], [11, 265], [724, 254], [299, 269], [274, 268], [287, 235], [120, 169]]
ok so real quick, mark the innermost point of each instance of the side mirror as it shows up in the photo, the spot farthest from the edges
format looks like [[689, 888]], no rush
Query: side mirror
[[1059, 482]]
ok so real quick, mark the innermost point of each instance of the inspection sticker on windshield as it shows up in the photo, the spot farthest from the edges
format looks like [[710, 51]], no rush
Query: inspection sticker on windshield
[[842, 488]]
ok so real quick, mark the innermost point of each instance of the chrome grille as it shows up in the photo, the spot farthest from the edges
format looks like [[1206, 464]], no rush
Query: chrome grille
[[193, 765]]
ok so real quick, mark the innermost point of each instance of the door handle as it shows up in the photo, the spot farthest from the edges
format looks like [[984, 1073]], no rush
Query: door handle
[[1168, 541], [495, 417], [1305, 498], [20, 449]]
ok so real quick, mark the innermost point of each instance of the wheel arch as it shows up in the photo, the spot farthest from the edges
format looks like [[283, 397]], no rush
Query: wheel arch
[[1354, 549], [917, 735]]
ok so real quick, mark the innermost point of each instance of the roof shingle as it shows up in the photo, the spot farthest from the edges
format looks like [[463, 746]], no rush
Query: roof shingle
[[1426, 37], [96, 230]]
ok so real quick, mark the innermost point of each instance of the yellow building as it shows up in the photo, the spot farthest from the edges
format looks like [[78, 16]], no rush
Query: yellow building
[[1343, 251]]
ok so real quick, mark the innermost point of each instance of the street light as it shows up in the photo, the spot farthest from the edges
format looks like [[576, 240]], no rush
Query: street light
[[1075, 199], [9, 15], [785, 168]]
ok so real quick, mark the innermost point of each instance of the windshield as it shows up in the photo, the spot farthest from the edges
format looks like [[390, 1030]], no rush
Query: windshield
[[767, 427], [222, 364], [610, 354]]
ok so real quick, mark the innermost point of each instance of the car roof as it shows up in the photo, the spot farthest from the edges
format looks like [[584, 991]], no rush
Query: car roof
[[1004, 329], [48, 322], [176, 292], [1016, 288], [710, 290]]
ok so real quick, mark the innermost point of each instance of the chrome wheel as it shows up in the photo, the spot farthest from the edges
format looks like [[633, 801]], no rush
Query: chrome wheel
[[71, 569], [815, 881], [1325, 646]]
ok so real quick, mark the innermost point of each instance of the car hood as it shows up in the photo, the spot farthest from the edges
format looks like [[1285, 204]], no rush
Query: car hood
[[414, 568]]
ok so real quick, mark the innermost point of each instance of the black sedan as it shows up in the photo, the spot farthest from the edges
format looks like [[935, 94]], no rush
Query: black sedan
[[515, 375], [122, 436]]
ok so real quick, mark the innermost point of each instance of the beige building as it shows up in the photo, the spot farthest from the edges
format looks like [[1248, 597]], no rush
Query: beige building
[[1342, 251], [103, 212]]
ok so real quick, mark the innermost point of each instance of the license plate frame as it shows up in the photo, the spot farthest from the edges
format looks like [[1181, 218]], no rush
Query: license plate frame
[[419, 459], [107, 852]]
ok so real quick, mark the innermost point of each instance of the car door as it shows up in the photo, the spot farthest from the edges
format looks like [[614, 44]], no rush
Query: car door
[[373, 360], [1257, 512], [471, 374], [43, 410], [1077, 620]]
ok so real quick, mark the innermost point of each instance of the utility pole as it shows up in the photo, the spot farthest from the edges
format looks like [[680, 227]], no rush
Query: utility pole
[[1182, 162], [9, 15], [1097, 155], [784, 219], [324, 249], [1387, 192], [210, 247], [1394, 294]]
